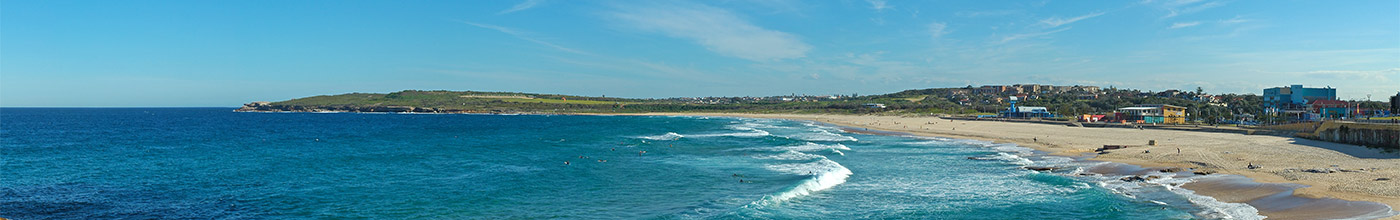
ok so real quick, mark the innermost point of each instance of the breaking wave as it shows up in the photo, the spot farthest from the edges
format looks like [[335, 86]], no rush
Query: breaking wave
[[821, 135], [824, 174]]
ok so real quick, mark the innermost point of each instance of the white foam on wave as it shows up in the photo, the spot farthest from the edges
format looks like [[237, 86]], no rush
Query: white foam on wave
[[750, 133], [1010, 158], [1151, 190], [791, 155], [751, 125], [821, 135], [667, 136], [1154, 190], [805, 147], [809, 146], [1012, 149], [838, 152], [670, 136], [826, 174]]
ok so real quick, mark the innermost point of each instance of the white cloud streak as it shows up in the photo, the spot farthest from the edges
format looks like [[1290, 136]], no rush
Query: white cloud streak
[[1236, 20], [1057, 21], [527, 4], [937, 29], [523, 36], [1184, 24], [719, 30], [1176, 8], [1030, 35], [879, 5]]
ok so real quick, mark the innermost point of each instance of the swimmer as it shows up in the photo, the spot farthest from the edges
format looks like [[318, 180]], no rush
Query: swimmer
[[614, 149], [566, 162]]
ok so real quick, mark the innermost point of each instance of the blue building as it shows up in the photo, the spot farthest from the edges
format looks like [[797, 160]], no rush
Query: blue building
[[1296, 95], [1025, 111]]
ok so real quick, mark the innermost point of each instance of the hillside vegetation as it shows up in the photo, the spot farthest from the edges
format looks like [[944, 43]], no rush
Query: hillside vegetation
[[955, 101]]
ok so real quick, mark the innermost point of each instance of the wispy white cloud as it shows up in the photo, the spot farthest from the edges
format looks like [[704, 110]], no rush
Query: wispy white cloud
[[1176, 8], [1185, 24], [991, 13], [1030, 35], [527, 4], [1057, 21], [526, 37], [879, 5], [1236, 20], [1381, 76], [719, 30], [937, 29]]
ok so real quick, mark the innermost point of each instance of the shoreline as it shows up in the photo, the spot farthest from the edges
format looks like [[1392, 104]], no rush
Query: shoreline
[[1288, 192], [1311, 195]]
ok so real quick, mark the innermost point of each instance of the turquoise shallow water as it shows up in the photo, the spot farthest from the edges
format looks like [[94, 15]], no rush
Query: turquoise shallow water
[[214, 163]]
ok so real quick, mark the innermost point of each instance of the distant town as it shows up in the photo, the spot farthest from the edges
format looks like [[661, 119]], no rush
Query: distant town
[[1293, 103]]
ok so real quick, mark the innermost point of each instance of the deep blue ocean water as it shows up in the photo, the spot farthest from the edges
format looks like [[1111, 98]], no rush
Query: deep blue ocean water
[[212, 163]]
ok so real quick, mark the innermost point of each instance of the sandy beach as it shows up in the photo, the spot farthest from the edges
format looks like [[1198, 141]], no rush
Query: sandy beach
[[1280, 160]]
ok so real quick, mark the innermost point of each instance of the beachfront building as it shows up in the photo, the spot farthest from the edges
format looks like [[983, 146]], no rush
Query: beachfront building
[[1091, 118], [1027, 112], [1328, 109], [874, 105], [1152, 114], [1395, 103], [1024, 111], [1297, 95]]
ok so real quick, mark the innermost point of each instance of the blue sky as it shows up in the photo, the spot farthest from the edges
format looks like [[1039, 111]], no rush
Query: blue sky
[[224, 53]]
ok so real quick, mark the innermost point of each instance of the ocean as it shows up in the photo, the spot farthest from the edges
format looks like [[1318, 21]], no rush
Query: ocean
[[212, 163]]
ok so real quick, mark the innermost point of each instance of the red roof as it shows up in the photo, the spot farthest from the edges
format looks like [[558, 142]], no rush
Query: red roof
[[1328, 102]]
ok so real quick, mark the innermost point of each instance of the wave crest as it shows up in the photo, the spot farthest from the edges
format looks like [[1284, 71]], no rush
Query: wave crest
[[826, 174]]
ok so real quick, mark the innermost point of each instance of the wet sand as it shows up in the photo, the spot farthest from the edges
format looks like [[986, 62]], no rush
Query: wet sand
[[1279, 188]]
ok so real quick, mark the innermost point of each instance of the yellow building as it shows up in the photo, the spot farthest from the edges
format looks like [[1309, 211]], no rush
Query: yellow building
[[1171, 114]]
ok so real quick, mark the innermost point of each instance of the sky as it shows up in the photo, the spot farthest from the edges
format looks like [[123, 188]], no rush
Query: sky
[[225, 53]]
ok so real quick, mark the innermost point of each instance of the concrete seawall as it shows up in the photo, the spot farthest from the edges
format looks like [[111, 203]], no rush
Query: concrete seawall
[[1365, 134]]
